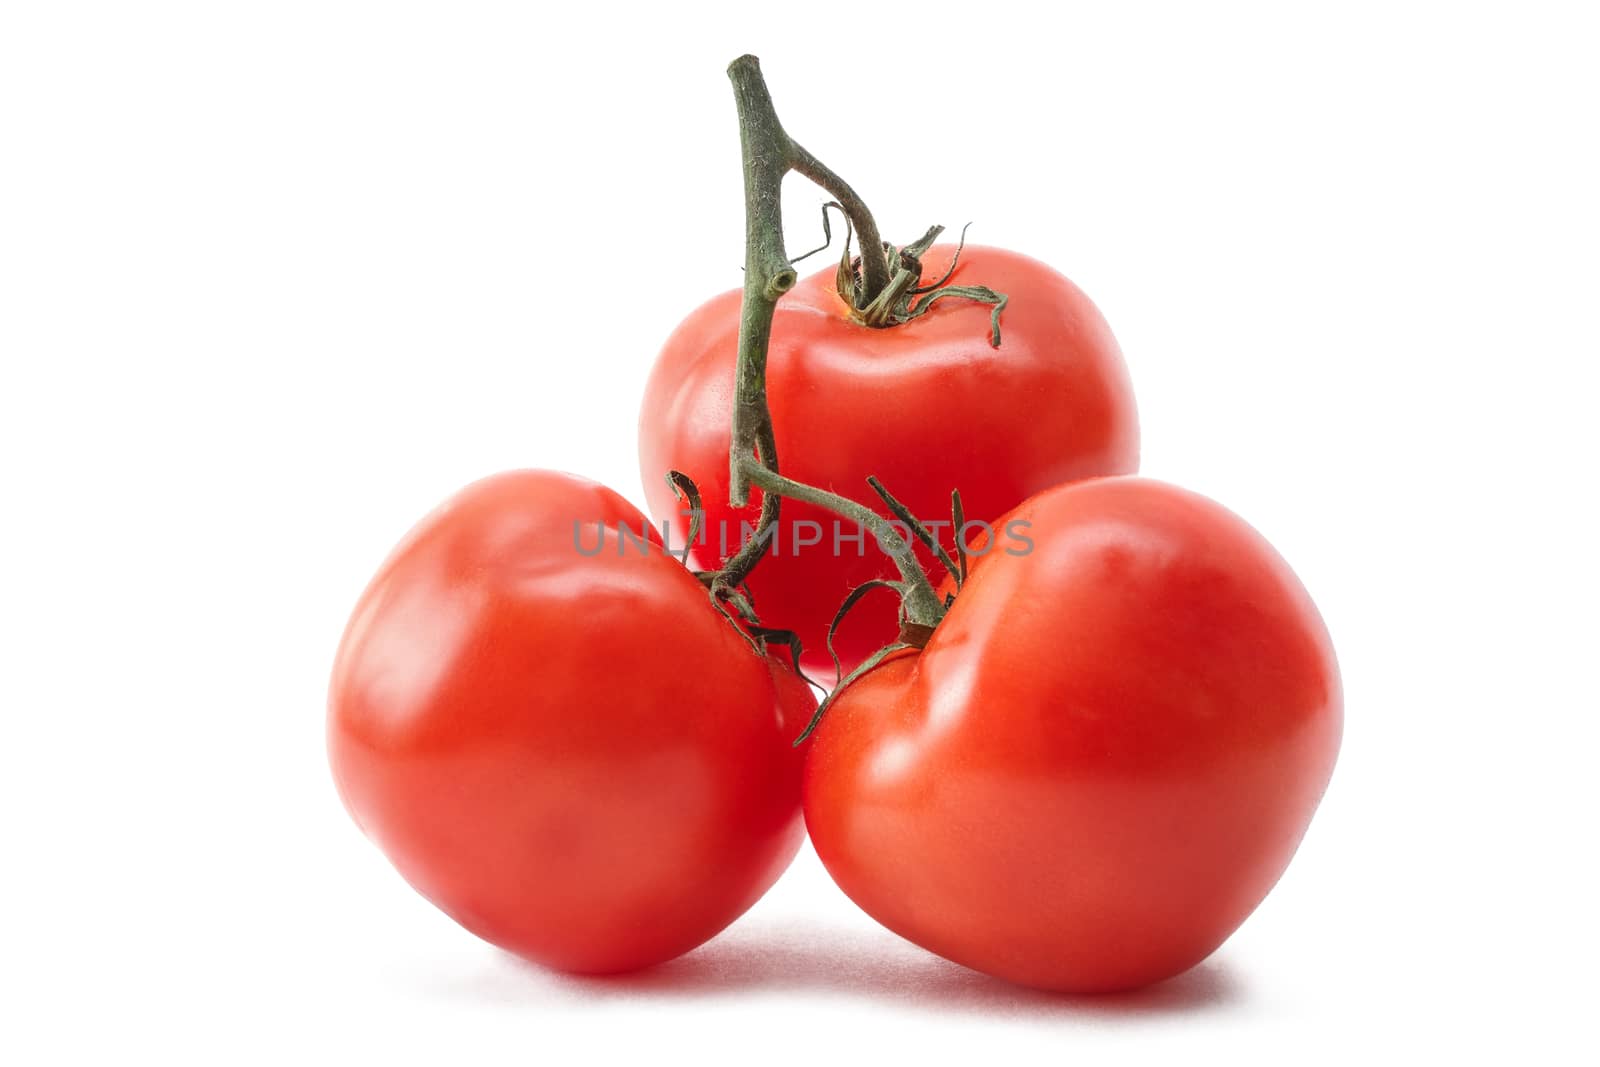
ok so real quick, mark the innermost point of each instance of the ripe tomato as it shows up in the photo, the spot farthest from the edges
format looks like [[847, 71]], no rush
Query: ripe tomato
[[573, 755], [1103, 759], [927, 407]]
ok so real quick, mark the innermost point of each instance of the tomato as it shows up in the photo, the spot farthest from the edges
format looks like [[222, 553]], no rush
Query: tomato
[[927, 406], [1104, 757], [556, 738]]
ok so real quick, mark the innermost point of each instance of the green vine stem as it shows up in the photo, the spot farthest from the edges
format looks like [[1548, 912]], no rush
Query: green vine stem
[[920, 600], [769, 154], [874, 252]]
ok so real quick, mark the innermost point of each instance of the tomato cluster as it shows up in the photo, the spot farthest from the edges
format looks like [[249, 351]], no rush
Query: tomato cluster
[[1077, 757]]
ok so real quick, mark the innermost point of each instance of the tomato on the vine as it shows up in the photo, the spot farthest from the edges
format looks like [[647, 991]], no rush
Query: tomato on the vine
[[1082, 772], [556, 738], [928, 406], [1104, 757]]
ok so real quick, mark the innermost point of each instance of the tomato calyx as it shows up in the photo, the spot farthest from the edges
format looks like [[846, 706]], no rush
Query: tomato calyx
[[913, 636], [733, 600], [868, 665], [897, 303]]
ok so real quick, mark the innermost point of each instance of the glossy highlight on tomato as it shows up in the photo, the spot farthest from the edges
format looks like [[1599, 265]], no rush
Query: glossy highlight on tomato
[[569, 752], [927, 406], [1103, 759]]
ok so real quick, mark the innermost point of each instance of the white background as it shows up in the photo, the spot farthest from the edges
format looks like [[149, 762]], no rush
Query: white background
[[276, 278]]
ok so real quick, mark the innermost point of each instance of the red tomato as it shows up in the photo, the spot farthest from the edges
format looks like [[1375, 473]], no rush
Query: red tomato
[[574, 756], [1103, 759], [927, 407]]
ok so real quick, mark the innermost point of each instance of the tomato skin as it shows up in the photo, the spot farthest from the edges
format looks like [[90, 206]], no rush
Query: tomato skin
[[1104, 758], [927, 407], [575, 757]]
